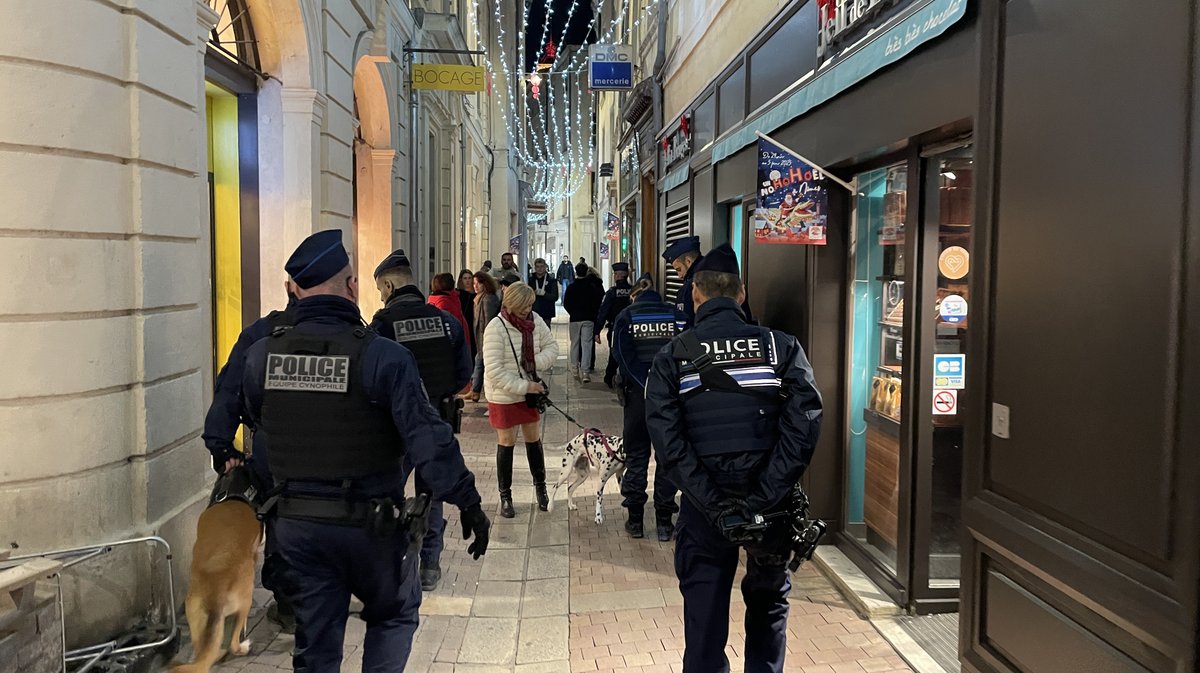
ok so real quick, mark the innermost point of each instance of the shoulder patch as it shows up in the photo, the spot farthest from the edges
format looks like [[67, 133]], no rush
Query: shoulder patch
[[308, 373]]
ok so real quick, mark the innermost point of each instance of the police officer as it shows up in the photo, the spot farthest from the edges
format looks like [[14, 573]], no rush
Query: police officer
[[734, 413], [639, 332], [220, 428], [344, 409], [683, 256], [437, 341], [615, 301]]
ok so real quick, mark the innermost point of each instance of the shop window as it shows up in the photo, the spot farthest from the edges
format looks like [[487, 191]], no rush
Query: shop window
[[877, 328], [731, 106], [790, 53], [704, 122]]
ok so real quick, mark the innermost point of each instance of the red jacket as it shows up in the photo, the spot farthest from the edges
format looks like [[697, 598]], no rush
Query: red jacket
[[450, 303]]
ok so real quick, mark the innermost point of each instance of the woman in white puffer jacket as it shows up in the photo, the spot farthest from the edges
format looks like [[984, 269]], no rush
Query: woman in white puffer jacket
[[517, 344]]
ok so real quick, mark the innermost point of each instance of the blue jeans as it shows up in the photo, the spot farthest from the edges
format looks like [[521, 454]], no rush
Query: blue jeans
[[477, 376]]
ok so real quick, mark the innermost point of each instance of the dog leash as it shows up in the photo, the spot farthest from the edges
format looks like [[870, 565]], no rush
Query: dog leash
[[567, 416]]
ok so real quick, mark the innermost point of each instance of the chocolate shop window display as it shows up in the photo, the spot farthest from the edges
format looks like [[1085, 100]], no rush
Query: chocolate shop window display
[[877, 316]]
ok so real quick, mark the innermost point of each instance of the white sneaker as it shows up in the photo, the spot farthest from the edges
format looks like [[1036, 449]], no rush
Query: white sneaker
[[585, 378]]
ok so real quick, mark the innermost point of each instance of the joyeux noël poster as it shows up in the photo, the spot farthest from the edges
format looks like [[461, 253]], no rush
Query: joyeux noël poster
[[793, 202]]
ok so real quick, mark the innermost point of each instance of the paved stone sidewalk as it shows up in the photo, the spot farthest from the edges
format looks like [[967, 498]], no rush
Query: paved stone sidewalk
[[563, 595]]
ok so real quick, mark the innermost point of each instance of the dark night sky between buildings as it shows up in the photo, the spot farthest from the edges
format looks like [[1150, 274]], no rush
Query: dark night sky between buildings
[[576, 31]]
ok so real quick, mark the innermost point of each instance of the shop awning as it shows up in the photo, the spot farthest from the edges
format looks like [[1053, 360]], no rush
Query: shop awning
[[674, 178], [883, 49]]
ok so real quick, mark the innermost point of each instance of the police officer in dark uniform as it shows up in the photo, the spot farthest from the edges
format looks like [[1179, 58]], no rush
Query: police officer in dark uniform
[[639, 332], [344, 409], [615, 301], [221, 424], [683, 256], [734, 413], [437, 341]]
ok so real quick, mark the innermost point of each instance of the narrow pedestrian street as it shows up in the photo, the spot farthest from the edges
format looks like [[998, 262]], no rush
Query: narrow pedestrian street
[[559, 594]]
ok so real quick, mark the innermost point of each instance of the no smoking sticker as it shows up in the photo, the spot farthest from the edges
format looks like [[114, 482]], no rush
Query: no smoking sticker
[[945, 402]]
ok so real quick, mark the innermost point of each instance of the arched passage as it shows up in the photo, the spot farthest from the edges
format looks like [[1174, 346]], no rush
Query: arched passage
[[374, 155]]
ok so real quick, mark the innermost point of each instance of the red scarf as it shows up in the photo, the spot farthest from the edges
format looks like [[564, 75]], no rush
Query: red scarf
[[525, 327]]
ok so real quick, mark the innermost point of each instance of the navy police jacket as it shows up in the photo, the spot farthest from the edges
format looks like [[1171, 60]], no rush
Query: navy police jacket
[[390, 380], [464, 364], [720, 444], [226, 413], [633, 357]]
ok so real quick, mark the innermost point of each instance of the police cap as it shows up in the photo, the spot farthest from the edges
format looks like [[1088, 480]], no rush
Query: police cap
[[396, 260], [721, 259], [683, 245], [620, 266], [317, 259]]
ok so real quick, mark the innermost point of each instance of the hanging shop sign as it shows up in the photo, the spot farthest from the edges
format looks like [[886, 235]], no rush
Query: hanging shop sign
[[612, 227], [793, 203], [535, 207], [610, 67], [464, 78], [603, 250], [514, 245], [950, 370], [954, 262], [677, 146], [840, 22]]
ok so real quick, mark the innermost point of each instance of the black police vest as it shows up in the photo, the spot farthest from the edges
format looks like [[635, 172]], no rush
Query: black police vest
[[321, 422], [723, 424], [652, 326], [422, 329]]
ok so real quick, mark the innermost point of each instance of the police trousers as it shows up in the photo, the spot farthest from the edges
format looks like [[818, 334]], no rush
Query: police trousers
[[705, 563], [326, 564], [637, 462]]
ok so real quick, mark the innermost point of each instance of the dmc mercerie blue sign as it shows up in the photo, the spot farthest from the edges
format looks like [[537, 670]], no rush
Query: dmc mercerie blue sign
[[610, 67]]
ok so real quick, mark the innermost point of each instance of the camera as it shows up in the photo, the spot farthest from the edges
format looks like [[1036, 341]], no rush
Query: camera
[[539, 401]]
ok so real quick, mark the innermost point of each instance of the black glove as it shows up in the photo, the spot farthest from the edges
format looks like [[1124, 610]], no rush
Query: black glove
[[732, 517], [474, 521], [222, 456]]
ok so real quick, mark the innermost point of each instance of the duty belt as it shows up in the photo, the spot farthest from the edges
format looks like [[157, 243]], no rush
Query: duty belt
[[327, 510]]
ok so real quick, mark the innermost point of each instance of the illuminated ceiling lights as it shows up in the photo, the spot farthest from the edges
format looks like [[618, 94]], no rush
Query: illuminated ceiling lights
[[549, 112]]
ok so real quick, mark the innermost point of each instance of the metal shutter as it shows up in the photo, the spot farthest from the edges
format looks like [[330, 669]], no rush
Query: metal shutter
[[679, 226]]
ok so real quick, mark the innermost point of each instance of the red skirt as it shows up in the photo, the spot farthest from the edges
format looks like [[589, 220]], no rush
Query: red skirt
[[505, 416]]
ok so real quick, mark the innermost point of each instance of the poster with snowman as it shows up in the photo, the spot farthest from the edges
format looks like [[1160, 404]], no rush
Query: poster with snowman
[[793, 202]]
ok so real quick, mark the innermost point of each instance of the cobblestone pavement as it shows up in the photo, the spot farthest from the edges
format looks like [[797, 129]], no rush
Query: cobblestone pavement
[[559, 594]]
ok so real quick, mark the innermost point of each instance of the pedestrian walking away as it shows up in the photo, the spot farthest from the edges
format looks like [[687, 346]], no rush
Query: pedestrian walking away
[[734, 413], [439, 345], [582, 302], [345, 409], [516, 346], [639, 333], [221, 424]]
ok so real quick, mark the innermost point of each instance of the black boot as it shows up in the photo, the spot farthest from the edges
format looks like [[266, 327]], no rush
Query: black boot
[[537, 468], [504, 461], [666, 529], [634, 525]]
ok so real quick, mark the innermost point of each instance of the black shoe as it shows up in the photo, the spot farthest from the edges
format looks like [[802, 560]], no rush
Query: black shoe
[[635, 528], [430, 577], [506, 505], [666, 531], [543, 500], [281, 615]]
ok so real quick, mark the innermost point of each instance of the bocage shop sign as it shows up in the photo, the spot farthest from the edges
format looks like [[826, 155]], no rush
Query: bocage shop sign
[[465, 78], [839, 21]]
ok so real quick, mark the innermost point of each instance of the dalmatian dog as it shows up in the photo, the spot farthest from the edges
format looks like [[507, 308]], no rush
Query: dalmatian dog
[[591, 448]]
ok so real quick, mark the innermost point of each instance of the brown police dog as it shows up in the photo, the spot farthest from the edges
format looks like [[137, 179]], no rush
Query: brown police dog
[[222, 582]]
